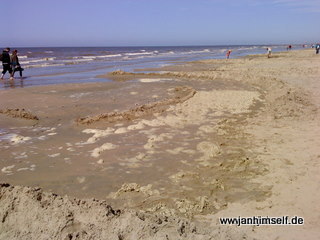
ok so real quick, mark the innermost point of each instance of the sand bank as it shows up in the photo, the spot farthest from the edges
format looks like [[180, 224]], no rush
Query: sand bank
[[181, 94]]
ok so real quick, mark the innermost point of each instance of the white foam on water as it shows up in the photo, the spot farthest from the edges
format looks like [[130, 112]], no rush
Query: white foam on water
[[97, 151], [89, 57], [32, 61], [40, 60], [141, 53], [97, 134], [44, 65], [22, 169], [78, 60], [109, 56], [193, 52], [7, 169], [54, 155], [42, 137], [24, 62], [2, 131], [148, 80], [14, 138]]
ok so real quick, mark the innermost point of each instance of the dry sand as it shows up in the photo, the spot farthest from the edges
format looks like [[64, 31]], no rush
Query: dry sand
[[241, 140]]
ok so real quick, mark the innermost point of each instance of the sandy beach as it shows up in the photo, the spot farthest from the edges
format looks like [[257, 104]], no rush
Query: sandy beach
[[164, 153]]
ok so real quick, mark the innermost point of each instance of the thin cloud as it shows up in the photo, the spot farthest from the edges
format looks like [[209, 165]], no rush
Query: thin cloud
[[295, 5], [305, 5]]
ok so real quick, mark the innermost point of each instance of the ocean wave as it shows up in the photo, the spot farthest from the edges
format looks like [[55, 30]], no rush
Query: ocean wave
[[24, 62], [38, 60], [84, 60], [31, 61], [78, 60], [164, 65], [22, 57], [108, 56], [200, 51], [43, 65], [245, 48], [48, 51], [141, 53], [89, 57], [7, 136], [2, 131], [223, 50]]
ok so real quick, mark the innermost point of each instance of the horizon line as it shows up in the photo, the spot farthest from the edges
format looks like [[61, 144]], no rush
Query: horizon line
[[183, 45]]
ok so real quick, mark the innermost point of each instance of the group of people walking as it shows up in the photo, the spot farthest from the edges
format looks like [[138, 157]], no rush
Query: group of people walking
[[10, 63], [269, 50]]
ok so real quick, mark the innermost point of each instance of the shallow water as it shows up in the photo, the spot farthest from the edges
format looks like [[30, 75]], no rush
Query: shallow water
[[62, 156], [45, 66]]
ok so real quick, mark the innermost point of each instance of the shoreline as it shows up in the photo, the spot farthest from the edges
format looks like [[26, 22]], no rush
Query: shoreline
[[79, 67], [246, 115]]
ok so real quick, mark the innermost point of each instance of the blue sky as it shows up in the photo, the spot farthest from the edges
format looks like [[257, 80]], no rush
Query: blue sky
[[158, 22]]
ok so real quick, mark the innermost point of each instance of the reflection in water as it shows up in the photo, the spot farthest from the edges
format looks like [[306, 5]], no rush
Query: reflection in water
[[15, 83]]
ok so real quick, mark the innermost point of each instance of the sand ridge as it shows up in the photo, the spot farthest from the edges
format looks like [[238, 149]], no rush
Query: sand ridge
[[181, 95], [19, 113]]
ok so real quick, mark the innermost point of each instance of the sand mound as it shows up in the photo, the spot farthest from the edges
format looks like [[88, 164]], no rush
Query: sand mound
[[120, 75], [181, 94], [30, 213], [19, 113]]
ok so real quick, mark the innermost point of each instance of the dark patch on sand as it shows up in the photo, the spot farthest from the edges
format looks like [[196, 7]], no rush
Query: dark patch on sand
[[19, 113]]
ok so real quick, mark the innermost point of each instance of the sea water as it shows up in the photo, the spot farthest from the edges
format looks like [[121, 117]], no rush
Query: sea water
[[59, 65]]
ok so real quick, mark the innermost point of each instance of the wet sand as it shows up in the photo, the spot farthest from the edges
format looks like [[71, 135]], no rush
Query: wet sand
[[194, 141]]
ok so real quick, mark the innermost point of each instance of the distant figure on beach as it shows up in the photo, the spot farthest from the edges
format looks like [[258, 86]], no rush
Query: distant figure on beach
[[228, 53], [289, 47], [6, 63], [15, 63], [269, 50], [317, 48]]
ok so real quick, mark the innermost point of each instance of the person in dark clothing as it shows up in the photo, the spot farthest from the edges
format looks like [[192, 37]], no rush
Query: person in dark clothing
[[6, 63], [15, 63]]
